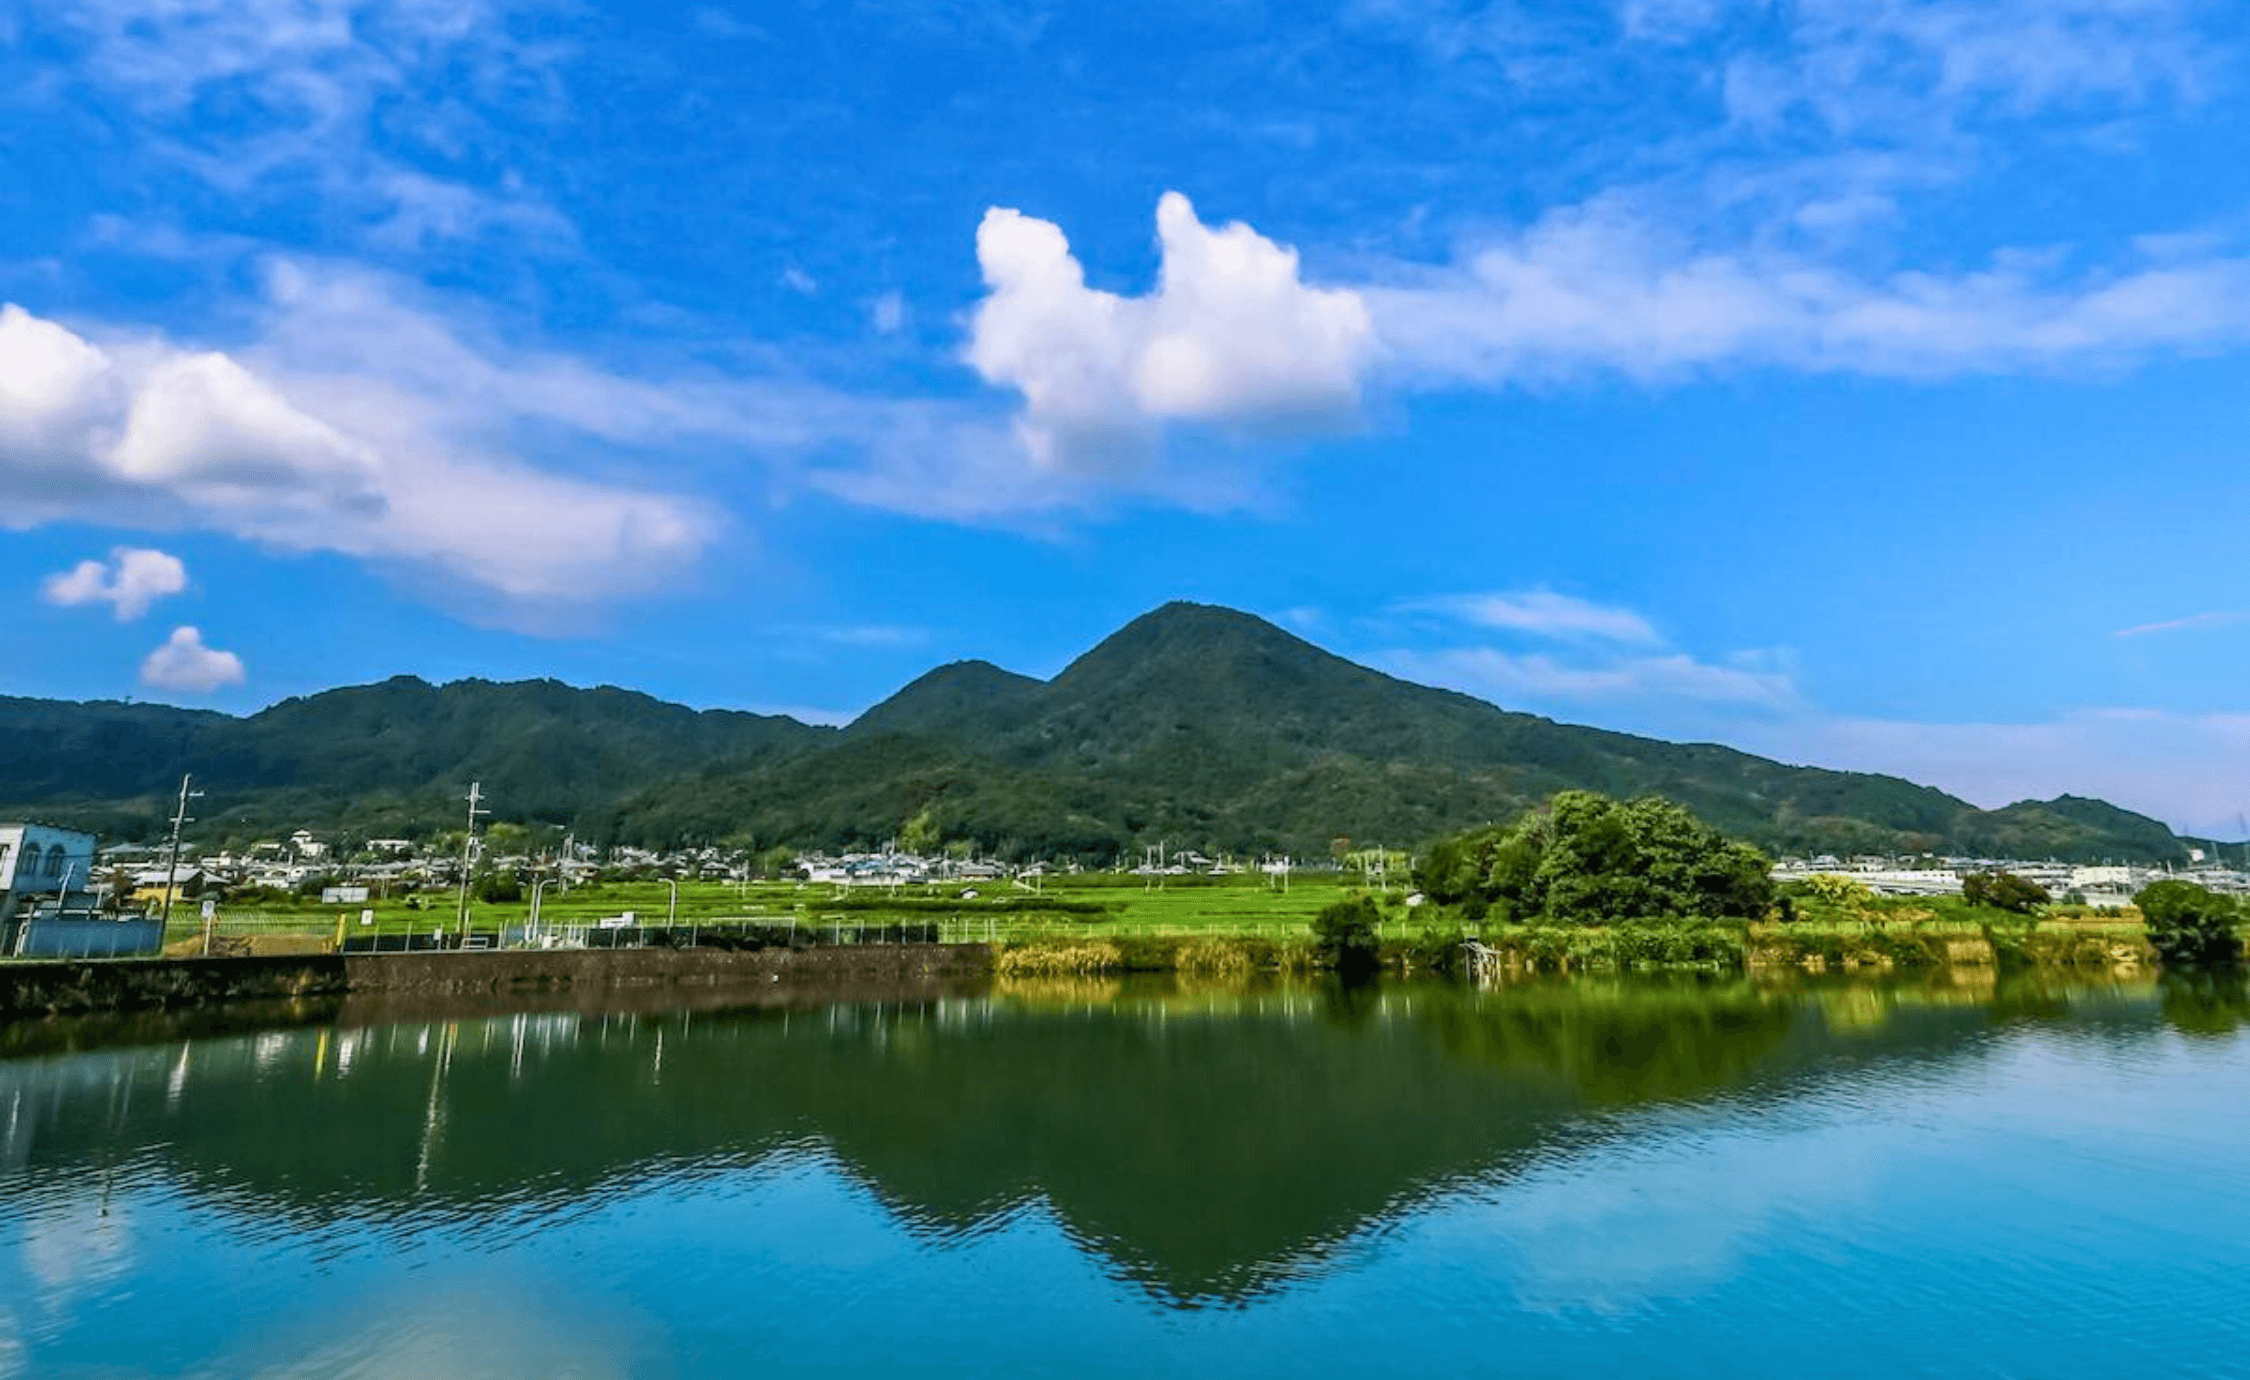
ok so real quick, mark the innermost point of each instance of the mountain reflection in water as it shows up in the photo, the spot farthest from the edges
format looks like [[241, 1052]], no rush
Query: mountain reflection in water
[[1209, 1145]]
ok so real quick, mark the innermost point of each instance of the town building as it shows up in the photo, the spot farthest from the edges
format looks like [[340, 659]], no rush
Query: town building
[[40, 860]]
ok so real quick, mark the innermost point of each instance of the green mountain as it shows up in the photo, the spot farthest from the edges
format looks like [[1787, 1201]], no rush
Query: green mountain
[[1214, 729], [1196, 725], [393, 756]]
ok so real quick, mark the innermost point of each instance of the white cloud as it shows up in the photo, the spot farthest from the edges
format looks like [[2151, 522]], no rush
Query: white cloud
[[1610, 654], [800, 282], [133, 579], [1862, 65], [354, 425], [1514, 679], [312, 94], [1599, 287], [183, 663], [1542, 613], [1231, 336]]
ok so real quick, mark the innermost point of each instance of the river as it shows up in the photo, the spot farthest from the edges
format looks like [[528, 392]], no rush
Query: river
[[1594, 1176]]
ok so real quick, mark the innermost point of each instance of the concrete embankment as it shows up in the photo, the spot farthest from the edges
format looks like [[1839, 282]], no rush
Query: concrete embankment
[[66, 988]]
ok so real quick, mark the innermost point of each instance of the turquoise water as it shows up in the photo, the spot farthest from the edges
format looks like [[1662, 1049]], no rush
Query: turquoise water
[[1587, 1178]]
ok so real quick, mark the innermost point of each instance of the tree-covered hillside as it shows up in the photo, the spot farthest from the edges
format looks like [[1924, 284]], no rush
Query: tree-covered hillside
[[1195, 725], [1212, 728], [393, 756]]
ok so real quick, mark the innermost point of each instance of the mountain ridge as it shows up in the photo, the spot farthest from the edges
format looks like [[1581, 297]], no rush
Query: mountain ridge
[[1196, 723]]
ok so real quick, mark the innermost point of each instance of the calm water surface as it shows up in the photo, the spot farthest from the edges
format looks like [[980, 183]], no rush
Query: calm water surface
[[1589, 1178]]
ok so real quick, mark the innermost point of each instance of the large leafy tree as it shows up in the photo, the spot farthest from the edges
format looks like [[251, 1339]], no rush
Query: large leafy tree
[[2189, 925], [1588, 859]]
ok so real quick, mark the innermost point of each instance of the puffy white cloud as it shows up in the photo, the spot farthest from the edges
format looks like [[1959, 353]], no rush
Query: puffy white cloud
[[360, 426], [1231, 336], [133, 578], [183, 663]]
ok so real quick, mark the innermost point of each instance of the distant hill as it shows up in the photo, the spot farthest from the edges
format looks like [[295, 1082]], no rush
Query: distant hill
[[396, 755], [1197, 725]]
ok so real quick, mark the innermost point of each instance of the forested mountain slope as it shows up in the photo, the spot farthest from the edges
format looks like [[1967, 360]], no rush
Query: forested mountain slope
[[1197, 725]]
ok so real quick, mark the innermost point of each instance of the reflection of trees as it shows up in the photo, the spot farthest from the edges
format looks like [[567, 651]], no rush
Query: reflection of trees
[[1209, 1146], [1615, 1042], [2205, 1003]]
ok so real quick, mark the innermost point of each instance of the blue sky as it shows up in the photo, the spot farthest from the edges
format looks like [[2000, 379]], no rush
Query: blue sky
[[1862, 382]]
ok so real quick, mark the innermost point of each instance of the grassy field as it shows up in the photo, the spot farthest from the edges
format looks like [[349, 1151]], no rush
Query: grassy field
[[1097, 906], [1101, 906]]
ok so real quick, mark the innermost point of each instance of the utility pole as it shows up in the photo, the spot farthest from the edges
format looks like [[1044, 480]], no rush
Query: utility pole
[[468, 843], [172, 868]]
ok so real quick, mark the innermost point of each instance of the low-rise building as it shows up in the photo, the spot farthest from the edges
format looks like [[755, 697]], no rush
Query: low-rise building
[[41, 860]]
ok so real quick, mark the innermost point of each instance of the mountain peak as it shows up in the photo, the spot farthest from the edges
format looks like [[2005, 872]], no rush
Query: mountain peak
[[945, 697], [1200, 638]]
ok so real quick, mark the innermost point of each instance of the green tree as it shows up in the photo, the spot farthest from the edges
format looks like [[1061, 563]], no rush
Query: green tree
[[1593, 860], [2188, 925], [919, 835], [2004, 891], [1344, 936]]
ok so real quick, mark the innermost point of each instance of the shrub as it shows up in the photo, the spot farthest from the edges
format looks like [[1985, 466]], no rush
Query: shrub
[[1837, 890], [1344, 936]]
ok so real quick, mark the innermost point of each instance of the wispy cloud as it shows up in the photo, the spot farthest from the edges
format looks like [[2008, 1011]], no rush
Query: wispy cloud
[[1606, 654], [1861, 65], [861, 634], [2200, 620], [312, 91], [1539, 612], [1515, 678], [1601, 287]]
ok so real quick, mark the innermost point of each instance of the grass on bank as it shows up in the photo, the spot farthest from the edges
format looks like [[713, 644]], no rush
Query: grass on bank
[[1108, 923]]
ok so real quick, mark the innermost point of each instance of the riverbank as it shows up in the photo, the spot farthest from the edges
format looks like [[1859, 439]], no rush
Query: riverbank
[[29, 990], [670, 975], [1549, 949]]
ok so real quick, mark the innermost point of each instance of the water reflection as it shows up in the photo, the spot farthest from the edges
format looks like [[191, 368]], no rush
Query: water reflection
[[1208, 1144]]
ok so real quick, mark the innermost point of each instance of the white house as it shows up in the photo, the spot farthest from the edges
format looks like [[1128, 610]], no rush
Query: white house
[[41, 860]]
